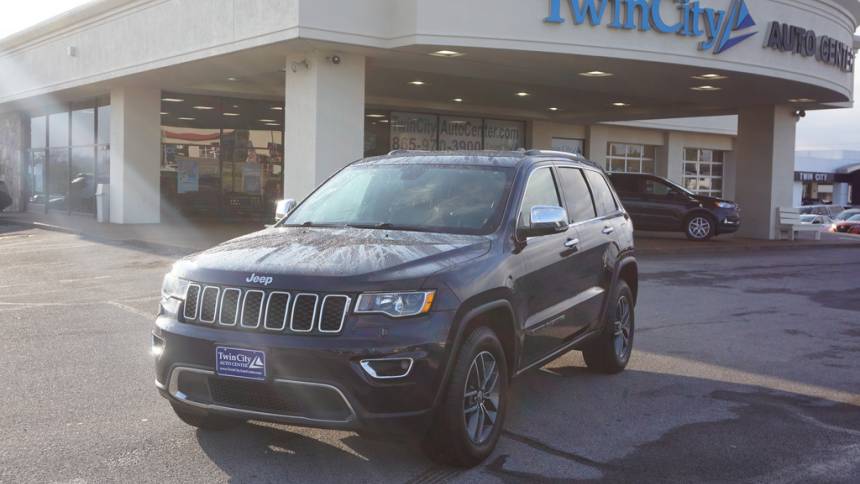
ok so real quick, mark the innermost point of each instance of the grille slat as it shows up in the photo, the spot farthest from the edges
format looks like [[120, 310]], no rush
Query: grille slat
[[333, 313], [230, 307], [252, 308], [209, 304], [275, 311], [304, 313], [192, 295]]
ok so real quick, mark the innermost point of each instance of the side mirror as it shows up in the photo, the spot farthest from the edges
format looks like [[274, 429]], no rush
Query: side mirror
[[284, 207], [546, 220]]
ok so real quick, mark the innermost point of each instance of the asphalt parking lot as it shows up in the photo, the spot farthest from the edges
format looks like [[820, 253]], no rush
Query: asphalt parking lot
[[747, 368]]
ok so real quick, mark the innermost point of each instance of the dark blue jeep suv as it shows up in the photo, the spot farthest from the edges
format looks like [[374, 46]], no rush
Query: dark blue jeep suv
[[403, 295]]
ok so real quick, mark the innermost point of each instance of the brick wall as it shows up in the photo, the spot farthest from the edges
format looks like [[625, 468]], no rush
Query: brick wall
[[11, 153]]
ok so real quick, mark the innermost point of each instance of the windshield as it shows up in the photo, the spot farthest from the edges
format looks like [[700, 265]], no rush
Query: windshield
[[422, 197], [847, 214], [855, 218]]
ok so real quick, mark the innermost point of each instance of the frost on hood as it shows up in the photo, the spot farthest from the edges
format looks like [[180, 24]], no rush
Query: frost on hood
[[335, 251]]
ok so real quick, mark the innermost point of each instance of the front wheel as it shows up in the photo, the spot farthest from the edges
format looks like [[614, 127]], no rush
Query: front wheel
[[470, 419], [611, 351], [700, 227]]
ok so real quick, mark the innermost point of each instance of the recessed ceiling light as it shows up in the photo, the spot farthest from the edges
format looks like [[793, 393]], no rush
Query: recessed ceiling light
[[710, 77], [553, 108], [706, 88], [277, 108], [203, 108], [596, 74], [164, 114], [522, 94], [172, 100], [268, 120], [377, 116], [272, 124], [801, 100], [457, 100], [232, 115], [417, 83], [447, 53], [232, 79], [620, 104], [187, 119], [383, 121]]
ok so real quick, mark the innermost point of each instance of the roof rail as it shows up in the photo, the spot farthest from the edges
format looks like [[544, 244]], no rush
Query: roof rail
[[407, 152], [562, 154]]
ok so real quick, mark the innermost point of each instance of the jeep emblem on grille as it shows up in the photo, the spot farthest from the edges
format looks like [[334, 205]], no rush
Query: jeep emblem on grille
[[255, 279]]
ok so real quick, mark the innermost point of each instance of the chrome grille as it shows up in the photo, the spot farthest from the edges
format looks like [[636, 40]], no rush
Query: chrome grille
[[271, 311]]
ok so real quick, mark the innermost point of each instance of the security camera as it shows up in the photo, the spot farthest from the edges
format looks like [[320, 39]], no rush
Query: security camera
[[335, 59], [800, 113]]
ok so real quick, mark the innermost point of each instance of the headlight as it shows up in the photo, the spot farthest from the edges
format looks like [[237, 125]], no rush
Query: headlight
[[725, 205], [173, 287], [396, 304]]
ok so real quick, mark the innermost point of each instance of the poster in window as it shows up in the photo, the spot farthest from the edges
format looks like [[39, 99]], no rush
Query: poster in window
[[503, 135], [460, 133], [187, 176], [411, 131], [252, 178], [568, 145]]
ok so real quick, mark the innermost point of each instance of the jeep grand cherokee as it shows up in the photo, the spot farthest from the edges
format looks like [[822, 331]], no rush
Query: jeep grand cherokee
[[403, 295]]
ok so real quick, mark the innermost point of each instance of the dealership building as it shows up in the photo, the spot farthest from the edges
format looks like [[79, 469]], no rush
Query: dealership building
[[217, 108]]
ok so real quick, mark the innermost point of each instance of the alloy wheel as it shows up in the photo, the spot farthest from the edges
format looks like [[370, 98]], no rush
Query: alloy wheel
[[623, 337], [481, 397], [699, 227]]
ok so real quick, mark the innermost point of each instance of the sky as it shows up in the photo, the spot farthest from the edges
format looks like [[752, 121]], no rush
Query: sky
[[837, 129]]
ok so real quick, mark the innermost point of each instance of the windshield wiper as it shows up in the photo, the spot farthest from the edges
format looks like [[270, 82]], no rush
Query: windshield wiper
[[383, 225]]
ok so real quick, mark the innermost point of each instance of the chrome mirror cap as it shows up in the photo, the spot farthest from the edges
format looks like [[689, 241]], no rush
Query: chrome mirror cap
[[547, 220], [284, 207]]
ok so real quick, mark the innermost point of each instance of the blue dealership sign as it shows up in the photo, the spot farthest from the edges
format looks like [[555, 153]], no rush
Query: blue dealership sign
[[721, 29], [240, 363]]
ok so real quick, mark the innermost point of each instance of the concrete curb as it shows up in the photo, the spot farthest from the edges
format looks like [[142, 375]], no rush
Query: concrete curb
[[154, 247], [679, 251]]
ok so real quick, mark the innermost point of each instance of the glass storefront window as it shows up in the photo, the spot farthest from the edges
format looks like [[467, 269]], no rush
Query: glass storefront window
[[386, 131], [631, 158], [58, 129], [38, 132], [64, 176], [84, 127], [221, 155], [703, 171]]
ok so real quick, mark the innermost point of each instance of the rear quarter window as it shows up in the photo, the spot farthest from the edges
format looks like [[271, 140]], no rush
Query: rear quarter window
[[604, 202]]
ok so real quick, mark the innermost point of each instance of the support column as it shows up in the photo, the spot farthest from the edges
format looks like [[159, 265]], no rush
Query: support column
[[765, 167], [135, 147], [596, 143], [670, 162], [323, 118]]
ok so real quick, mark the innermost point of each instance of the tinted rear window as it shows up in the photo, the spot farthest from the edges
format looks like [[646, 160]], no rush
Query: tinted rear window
[[579, 204], [603, 199], [625, 183]]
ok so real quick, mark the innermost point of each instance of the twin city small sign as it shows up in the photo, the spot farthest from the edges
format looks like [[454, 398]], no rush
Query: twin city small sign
[[715, 29]]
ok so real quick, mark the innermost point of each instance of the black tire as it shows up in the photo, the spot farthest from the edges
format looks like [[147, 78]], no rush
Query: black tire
[[459, 435], [611, 351], [204, 420], [700, 227]]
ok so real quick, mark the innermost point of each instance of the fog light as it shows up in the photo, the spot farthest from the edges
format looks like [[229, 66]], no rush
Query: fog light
[[387, 368], [157, 346]]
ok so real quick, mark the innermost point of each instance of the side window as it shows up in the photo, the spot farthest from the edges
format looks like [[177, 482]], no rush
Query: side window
[[625, 184], [656, 187], [603, 199], [580, 207], [540, 190]]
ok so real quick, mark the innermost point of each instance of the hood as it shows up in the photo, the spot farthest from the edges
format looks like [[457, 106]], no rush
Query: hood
[[287, 256], [707, 199]]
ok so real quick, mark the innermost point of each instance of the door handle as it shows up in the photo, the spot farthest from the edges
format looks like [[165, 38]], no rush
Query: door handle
[[608, 230], [571, 243]]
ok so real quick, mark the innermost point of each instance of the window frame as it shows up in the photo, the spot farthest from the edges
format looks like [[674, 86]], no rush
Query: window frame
[[581, 170], [626, 158], [522, 196], [699, 162]]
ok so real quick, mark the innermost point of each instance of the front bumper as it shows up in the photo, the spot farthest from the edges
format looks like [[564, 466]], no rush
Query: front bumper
[[315, 381], [728, 221]]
